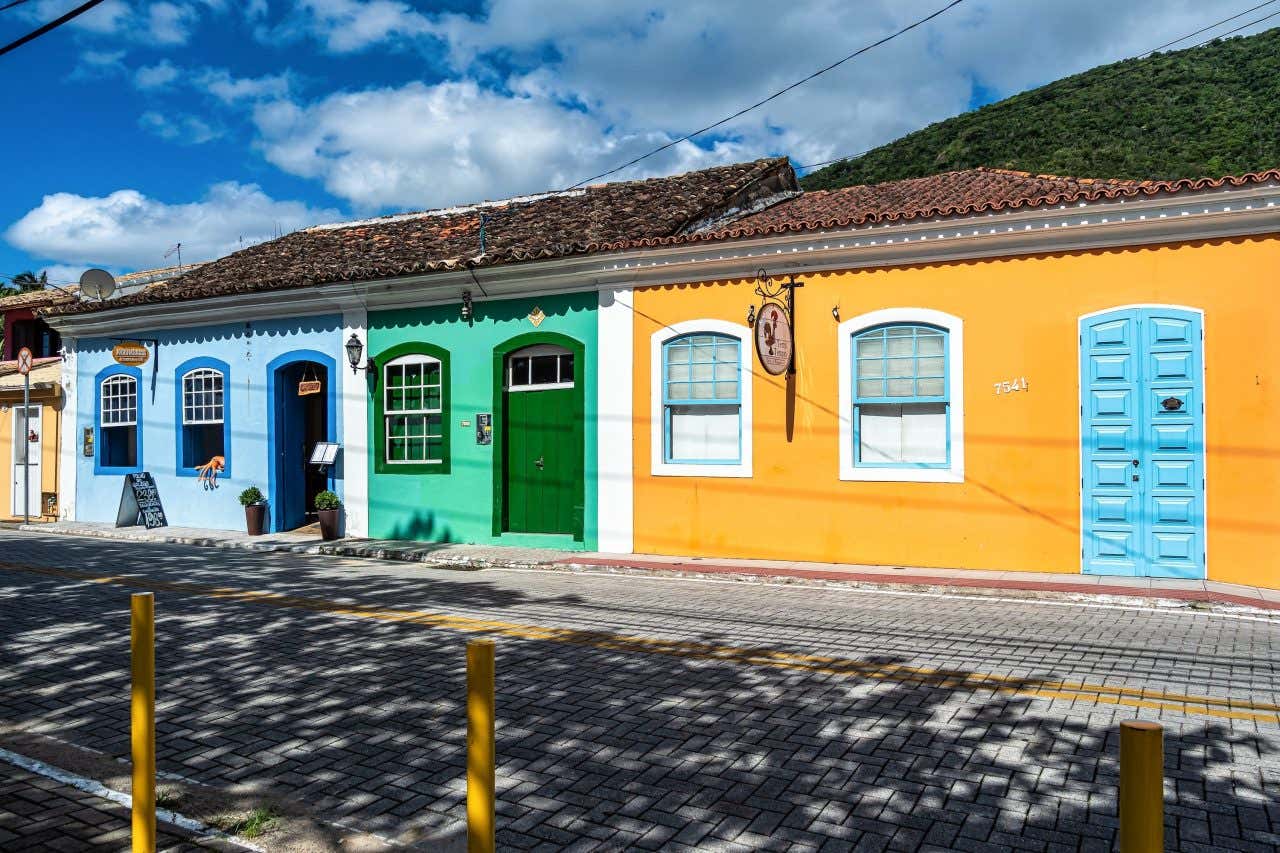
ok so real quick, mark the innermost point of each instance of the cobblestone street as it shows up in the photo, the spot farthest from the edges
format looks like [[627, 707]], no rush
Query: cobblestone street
[[651, 713]]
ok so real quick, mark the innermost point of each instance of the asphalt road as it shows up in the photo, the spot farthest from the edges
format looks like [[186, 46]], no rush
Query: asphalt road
[[638, 713]]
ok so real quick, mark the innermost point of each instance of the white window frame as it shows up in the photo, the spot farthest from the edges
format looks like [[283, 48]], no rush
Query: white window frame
[[658, 465], [115, 381], [203, 374], [536, 350], [845, 332], [388, 414]]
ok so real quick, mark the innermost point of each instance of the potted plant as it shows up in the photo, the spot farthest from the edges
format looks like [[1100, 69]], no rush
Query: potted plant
[[327, 505], [255, 510]]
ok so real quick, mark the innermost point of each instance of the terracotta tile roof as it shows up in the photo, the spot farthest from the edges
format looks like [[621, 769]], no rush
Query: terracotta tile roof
[[593, 219], [36, 298], [960, 193], [10, 368]]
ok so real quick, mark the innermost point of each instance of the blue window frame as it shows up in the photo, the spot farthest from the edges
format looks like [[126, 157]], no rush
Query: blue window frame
[[702, 399], [901, 397], [202, 415], [117, 417]]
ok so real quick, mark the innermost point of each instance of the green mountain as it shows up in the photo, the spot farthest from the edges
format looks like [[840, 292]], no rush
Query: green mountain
[[1204, 112]]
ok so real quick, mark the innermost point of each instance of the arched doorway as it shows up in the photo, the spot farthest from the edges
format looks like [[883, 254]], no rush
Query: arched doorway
[[302, 413], [542, 452]]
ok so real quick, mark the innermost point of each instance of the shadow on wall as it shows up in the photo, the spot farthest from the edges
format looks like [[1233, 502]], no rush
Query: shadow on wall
[[425, 527]]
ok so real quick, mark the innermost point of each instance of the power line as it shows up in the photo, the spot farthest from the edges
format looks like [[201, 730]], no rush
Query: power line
[[776, 94], [11, 5], [52, 25], [1125, 59]]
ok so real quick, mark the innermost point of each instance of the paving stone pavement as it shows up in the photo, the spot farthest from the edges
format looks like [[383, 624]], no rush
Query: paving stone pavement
[[604, 745], [38, 814]]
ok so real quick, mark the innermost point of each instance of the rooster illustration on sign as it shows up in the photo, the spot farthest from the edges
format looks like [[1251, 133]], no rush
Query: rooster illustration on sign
[[771, 331]]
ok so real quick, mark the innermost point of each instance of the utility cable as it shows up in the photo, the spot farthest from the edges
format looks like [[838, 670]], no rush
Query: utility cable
[[776, 94], [52, 25], [1142, 55], [11, 5]]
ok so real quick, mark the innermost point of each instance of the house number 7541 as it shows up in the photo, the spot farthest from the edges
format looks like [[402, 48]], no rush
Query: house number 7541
[[1019, 384]]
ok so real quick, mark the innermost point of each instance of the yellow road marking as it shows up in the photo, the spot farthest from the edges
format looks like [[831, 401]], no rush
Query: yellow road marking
[[1226, 708]]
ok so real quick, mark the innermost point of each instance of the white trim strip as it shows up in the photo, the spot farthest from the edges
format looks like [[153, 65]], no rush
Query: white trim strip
[[615, 495]]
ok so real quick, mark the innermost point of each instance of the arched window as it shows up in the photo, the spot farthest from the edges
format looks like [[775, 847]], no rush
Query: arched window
[[702, 393], [901, 396], [203, 417], [413, 405], [118, 424]]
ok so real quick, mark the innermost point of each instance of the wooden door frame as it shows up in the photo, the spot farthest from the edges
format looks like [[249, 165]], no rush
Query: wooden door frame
[[276, 401], [500, 353]]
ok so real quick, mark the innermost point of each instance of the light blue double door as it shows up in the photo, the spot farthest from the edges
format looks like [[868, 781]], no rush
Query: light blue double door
[[1142, 434]]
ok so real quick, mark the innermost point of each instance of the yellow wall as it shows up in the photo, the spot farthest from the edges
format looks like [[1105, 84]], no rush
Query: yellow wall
[[50, 442], [1019, 505]]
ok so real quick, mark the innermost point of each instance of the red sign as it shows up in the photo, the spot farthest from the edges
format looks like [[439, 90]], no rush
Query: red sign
[[24, 361], [773, 338]]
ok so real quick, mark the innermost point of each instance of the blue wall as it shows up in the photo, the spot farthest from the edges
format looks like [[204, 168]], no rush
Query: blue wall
[[248, 349]]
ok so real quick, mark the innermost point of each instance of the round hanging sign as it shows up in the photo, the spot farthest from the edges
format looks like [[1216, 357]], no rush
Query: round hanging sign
[[773, 338], [130, 353]]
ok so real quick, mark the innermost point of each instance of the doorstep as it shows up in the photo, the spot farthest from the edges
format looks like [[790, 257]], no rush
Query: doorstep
[[475, 557]]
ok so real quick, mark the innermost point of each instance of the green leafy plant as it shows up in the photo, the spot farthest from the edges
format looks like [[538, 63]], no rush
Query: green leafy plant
[[1203, 112], [252, 496], [261, 820], [327, 500]]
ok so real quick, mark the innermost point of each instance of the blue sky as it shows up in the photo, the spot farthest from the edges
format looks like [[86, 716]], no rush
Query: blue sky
[[221, 122]]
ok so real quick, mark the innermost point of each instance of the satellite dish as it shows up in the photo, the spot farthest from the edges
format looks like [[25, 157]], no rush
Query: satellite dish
[[97, 284]]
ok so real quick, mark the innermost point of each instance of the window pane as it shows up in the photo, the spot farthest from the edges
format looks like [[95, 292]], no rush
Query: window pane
[[931, 387], [907, 434], [870, 368], [544, 370], [703, 372], [704, 351], [702, 391], [566, 368], [704, 433], [726, 390], [520, 370], [727, 351], [901, 387], [871, 345], [431, 397], [678, 391], [931, 366], [870, 388], [929, 344], [899, 345], [901, 366], [678, 372], [727, 371]]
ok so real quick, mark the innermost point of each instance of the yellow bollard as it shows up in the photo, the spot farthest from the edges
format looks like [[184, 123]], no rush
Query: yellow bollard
[[143, 654], [1141, 787], [480, 752]]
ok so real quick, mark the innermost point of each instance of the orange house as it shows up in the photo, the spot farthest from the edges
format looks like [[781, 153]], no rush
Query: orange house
[[989, 370]]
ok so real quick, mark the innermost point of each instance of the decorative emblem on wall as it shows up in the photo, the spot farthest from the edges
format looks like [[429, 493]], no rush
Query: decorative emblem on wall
[[536, 316]]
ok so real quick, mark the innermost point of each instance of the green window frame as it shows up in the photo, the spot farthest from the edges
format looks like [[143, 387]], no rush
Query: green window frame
[[411, 423]]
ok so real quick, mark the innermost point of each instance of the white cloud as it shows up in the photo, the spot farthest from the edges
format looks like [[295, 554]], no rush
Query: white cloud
[[344, 26], [422, 146], [220, 83], [170, 23], [156, 76], [186, 129], [129, 230], [163, 23]]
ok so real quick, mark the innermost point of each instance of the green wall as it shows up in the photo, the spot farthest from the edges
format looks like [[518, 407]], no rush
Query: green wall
[[458, 506]]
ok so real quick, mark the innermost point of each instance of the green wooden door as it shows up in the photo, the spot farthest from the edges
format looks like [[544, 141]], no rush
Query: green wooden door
[[543, 461]]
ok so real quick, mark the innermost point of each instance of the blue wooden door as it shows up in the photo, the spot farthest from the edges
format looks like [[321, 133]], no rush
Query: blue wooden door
[[1142, 440]]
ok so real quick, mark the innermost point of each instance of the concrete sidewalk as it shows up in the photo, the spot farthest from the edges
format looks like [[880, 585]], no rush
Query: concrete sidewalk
[[476, 557]]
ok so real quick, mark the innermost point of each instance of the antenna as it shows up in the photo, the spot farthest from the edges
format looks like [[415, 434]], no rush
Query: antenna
[[97, 284], [176, 248]]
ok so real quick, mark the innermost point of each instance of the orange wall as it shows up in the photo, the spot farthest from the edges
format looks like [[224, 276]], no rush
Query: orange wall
[[51, 417], [1019, 505]]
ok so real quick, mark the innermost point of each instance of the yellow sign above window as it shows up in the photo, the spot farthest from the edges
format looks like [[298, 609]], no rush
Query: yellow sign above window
[[131, 353]]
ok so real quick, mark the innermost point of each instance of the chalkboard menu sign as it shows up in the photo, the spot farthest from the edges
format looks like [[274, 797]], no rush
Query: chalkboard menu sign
[[140, 502]]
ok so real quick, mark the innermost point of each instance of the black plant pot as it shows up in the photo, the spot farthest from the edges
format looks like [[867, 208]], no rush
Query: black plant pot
[[255, 518], [328, 524]]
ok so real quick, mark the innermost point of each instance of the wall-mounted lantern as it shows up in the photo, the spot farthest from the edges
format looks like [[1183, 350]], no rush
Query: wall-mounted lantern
[[355, 350], [468, 311]]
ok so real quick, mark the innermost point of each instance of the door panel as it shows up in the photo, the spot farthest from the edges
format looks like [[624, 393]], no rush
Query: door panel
[[1142, 429], [26, 482], [543, 456]]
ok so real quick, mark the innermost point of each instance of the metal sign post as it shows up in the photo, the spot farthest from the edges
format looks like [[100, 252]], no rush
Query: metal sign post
[[24, 367]]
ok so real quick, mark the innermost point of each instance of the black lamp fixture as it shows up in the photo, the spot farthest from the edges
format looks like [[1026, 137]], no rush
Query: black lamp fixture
[[468, 311], [751, 316], [355, 350]]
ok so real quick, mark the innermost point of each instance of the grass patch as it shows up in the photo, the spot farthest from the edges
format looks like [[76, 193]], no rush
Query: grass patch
[[258, 822]]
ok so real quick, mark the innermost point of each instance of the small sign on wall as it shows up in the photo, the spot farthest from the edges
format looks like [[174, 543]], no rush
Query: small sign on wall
[[484, 428], [130, 353], [88, 441]]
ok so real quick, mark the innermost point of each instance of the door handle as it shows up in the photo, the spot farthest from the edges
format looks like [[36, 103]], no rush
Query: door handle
[[538, 463]]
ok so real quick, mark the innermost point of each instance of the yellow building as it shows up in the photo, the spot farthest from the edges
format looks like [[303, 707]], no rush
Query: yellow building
[[41, 429], [992, 370]]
